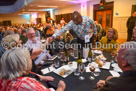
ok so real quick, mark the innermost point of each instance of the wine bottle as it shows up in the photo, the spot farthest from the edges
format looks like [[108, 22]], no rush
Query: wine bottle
[[67, 55], [90, 55], [79, 60]]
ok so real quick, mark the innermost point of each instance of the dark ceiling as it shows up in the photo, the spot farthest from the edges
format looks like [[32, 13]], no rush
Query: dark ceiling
[[7, 2]]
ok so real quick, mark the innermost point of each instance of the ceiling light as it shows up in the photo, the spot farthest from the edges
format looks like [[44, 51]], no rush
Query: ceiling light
[[46, 6], [28, 12]]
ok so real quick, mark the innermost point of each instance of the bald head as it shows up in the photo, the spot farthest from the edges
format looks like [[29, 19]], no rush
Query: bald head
[[77, 18]]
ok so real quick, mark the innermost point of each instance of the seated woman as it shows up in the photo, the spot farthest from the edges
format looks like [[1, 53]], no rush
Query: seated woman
[[134, 34], [109, 42], [15, 64]]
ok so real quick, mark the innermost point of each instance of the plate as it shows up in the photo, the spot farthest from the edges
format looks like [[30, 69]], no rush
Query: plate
[[66, 69]]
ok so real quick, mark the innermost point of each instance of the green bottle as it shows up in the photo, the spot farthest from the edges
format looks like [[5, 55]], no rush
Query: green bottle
[[67, 55], [90, 55], [79, 60]]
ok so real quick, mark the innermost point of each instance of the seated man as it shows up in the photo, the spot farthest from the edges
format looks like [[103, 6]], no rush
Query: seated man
[[126, 59], [33, 42]]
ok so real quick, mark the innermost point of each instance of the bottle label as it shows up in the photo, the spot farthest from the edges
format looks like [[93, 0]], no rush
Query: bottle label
[[89, 59]]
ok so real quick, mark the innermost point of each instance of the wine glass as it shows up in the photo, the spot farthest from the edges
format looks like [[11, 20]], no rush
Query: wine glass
[[92, 69], [113, 55], [81, 69]]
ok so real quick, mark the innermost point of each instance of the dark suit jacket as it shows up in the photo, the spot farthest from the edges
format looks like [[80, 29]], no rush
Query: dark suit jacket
[[126, 82]]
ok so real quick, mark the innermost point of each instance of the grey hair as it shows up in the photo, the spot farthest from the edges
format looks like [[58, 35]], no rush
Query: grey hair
[[130, 53], [10, 41], [11, 38], [15, 63], [29, 29]]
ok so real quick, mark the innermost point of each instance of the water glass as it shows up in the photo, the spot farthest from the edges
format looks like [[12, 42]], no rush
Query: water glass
[[56, 63], [77, 72], [82, 69]]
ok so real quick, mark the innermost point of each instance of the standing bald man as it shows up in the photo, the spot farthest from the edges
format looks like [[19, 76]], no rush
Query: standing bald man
[[83, 26]]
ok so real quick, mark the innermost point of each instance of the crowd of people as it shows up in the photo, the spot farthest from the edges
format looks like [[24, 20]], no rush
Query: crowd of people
[[17, 68]]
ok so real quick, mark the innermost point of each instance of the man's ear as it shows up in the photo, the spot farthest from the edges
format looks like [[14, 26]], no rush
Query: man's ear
[[124, 63]]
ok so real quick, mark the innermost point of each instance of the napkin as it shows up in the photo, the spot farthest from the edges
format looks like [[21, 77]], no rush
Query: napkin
[[48, 70], [84, 60], [114, 73], [45, 71], [106, 65], [74, 65]]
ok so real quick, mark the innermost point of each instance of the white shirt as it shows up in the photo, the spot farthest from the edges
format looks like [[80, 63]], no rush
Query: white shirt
[[34, 45]]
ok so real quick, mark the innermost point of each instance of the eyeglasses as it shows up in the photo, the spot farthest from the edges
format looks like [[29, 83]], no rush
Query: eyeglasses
[[32, 34]]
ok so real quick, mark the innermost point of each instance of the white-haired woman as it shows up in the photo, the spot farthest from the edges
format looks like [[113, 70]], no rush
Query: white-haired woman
[[14, 64], [9, 42]]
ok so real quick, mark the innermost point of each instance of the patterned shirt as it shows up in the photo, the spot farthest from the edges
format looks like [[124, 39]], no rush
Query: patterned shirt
[[22, 84], [86, 28]]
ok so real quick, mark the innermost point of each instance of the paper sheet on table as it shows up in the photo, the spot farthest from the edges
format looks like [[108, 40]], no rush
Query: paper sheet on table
[[114, 73], [96, 70], [45, 71], [106, 65], [116, 67], [51, 68], [74, 65]]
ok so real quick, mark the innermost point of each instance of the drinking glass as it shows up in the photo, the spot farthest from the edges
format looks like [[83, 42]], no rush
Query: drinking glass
[[82, 69], [92, 69], [113, 55], [56, 63]]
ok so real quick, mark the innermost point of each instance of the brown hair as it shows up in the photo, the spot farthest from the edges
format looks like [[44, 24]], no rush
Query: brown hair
[[115, 33]]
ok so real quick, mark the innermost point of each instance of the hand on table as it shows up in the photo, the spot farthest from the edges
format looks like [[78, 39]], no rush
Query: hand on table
[[61, 86], [109, 77], [47, 78], [100, 83]]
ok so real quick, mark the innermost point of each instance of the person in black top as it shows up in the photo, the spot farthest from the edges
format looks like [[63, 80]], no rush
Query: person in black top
[[131, 22]]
